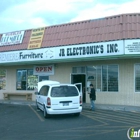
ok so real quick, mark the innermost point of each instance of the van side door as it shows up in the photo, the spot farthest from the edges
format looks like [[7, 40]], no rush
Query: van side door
[[42, 98]]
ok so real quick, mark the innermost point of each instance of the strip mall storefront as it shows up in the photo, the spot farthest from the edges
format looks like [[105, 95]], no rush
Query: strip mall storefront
[[113, 67]]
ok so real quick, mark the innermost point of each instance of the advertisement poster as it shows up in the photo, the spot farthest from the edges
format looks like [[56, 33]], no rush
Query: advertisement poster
[[12, 38], [36, 38]]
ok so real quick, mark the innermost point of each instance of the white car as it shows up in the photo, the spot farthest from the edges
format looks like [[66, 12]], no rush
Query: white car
[[55, 98]]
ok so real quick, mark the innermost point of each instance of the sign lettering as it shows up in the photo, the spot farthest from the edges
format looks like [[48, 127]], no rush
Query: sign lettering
[[132, 46], [12, 38], [44, 70], [36, 38], [91, 50]]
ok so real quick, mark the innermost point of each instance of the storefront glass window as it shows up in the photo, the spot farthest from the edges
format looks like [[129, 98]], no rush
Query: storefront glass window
[[32, 80], [112, 78], [91, 75], [98, 81], [26, 80], [2, 79], [137, 77], [104, 78]]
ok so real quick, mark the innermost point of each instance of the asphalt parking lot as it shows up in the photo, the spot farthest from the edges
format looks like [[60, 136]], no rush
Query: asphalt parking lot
[[25, 122]]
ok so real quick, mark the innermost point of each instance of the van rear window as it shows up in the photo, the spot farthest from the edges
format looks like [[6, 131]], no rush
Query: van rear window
[[64, 91]]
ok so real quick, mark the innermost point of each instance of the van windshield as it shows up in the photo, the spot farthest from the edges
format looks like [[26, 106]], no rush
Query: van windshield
[[64, 91]]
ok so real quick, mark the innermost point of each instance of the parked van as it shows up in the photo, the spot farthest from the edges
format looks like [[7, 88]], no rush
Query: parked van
[[56, 98]]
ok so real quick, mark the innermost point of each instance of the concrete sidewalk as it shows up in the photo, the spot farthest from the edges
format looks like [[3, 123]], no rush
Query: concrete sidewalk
[[85, 105], [113, 107], [17, 102]]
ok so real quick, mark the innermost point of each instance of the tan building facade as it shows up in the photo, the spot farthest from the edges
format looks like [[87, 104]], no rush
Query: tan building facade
[[112, 65]]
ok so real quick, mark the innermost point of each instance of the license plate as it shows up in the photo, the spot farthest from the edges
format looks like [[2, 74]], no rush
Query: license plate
[[65, 104]]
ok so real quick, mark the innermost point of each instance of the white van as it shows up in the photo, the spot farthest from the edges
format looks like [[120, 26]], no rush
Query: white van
[[55, 98]]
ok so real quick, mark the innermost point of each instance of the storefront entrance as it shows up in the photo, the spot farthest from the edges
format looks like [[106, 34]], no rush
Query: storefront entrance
[[80, 78]]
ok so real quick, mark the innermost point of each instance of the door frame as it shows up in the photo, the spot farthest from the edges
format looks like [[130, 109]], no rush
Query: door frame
[[77, 74], [78, 82]]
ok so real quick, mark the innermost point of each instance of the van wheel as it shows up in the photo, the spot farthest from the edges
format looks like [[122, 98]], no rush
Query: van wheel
[[77, 114], [45, 113]]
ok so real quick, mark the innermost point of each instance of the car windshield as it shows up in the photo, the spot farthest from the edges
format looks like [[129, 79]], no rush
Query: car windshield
[[64, 91]]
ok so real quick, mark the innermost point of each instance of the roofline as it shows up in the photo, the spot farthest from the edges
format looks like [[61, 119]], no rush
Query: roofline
[[76, 22]]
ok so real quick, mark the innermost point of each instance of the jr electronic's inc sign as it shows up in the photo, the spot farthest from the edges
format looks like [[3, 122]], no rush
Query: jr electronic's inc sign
[[91, 50]]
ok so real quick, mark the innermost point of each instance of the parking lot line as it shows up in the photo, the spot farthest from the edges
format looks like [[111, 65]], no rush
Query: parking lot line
[[110, 117], [125, 115], [40, 118], [91, 117], [123, 122], [117, 115]]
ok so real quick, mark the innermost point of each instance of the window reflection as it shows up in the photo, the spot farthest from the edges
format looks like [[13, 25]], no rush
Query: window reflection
[[2, 79], [137, 77], [26, 80], [104, 78]]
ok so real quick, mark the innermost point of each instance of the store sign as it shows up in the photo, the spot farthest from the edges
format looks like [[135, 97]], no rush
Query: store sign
[[90, 50], [36, 38], [12, 38], [9, 56], [111, 48], [44, 70], [132, 46], [27, 55]]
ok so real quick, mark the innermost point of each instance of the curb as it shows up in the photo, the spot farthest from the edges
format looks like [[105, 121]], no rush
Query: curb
[[17, 102], [85, 106]]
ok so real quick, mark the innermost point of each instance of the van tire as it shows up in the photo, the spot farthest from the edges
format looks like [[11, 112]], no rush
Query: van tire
[[45, 113], [77, 114]]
